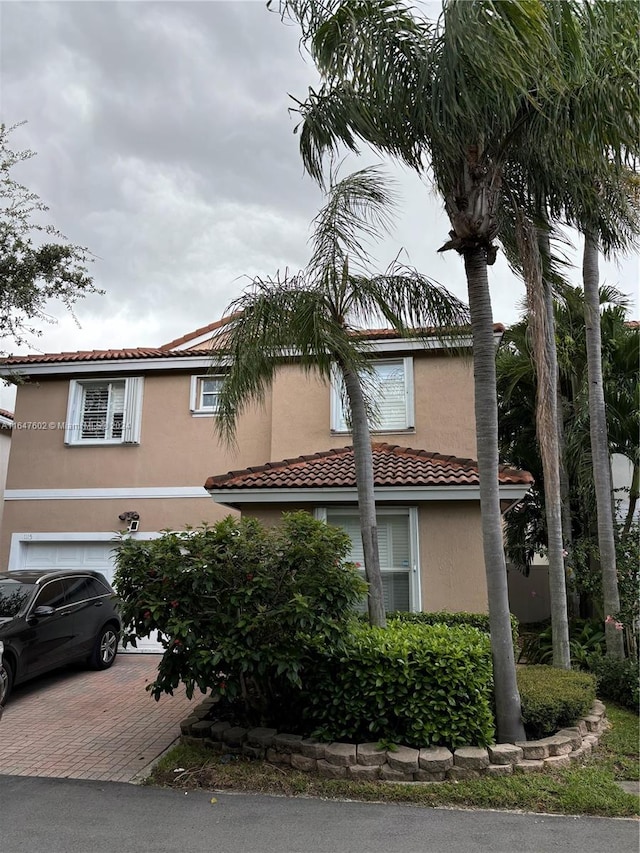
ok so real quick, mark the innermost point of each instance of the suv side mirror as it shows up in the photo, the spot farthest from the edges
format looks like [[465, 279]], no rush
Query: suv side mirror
[[43, 610]]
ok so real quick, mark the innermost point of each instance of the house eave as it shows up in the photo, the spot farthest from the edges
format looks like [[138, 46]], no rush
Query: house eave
[[200, 362], [236, 498]]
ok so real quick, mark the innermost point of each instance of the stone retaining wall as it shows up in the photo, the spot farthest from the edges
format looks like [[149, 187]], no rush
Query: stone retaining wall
[[365, 761]]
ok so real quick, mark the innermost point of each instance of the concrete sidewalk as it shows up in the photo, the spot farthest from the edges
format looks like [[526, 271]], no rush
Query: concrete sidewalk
[[80, 724]]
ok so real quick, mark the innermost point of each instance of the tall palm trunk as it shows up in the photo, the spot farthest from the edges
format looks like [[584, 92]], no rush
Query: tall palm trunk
[[508, 710], [600, 446], [634, 494], [542, 328], [363, 459]]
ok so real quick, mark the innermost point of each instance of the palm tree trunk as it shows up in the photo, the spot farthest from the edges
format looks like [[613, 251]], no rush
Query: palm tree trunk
[[508, 711], [542, 326], [573, 598], [634, 494], [363, 459], [600, 447]]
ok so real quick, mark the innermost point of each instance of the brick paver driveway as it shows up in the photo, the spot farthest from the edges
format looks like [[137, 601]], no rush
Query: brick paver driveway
[[82, 724]]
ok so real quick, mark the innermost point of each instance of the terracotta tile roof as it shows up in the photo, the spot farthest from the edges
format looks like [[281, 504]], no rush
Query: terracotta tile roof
[[100, 355], [377, 334], [392, 466], [169, 351]]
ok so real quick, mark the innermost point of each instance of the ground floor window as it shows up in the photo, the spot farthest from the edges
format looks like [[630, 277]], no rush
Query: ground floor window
[[397, 543]]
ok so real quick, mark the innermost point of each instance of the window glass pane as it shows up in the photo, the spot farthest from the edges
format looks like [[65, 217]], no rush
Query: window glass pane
[[396, 591], [98, 588], [209, 390], [95, 405], [13, 597], [78, 589], [387, 388], [102, 413], [51, 595], [389, 392], [395, 553]]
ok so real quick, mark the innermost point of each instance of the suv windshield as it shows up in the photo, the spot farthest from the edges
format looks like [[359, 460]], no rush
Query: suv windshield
[[13, 596]]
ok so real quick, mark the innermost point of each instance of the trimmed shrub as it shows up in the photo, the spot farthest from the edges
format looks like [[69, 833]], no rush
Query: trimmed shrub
[[618, 680], [413, 684], [553, 698], [444, 617], [236, 605]]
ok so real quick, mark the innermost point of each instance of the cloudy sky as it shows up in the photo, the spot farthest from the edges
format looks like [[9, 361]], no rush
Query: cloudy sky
[[164, 145]]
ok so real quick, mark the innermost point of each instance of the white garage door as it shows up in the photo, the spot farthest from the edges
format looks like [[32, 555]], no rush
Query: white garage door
[[97, 556]]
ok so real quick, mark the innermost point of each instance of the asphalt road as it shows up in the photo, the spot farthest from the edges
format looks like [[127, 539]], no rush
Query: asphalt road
[[73, 816]]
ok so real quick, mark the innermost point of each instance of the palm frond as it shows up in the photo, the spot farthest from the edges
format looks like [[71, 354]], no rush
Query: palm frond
[[357, 210], [410, 302], [273, 321]]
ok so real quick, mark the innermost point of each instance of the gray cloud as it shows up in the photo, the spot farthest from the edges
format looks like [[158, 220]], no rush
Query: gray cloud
[[165, 145]]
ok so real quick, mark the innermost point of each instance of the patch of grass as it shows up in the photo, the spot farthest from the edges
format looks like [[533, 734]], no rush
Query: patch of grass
[[619, 748], [581, 789]]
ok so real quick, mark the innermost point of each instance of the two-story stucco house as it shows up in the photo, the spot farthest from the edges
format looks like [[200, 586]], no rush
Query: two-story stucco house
[[107, 439]]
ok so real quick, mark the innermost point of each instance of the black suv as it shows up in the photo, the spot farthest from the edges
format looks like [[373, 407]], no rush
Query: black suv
[[49, 619]]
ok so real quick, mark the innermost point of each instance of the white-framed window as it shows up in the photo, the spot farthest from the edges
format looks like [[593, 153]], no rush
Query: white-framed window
[[205, 394], [398, 548], [391, 389], [104, 411]]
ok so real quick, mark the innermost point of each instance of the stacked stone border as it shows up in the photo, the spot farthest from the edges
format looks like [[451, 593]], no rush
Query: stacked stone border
[[366, 762]]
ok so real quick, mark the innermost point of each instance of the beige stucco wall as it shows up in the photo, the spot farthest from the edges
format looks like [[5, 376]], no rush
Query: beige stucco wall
[[452, 575], [444, 416], [451, 557], [101, 516], [176, 448]]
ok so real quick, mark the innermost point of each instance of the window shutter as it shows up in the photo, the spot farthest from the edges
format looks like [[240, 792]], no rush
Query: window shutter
[[132, 408], [116, 410]]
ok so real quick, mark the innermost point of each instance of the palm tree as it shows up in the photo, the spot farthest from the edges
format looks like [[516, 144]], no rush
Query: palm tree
[[470, 97], [456, 96], [525, 528], [597, 130], [310, 318]]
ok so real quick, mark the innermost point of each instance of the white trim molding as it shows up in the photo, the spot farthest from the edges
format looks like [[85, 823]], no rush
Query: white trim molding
[[105, 494], [401, 494]]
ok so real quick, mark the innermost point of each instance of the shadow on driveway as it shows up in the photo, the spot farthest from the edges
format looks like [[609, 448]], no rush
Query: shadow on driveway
[[80, 724]]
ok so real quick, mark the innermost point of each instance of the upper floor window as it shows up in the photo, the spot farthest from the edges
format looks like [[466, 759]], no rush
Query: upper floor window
[[391, 389], [104, 411], [205, 392]]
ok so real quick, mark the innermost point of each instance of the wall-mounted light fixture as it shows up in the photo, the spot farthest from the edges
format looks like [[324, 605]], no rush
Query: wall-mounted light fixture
[[133, 518]]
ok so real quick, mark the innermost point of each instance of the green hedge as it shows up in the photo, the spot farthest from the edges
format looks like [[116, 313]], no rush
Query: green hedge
[[553, 698], [412, 684], [444, 617], [617, 680]]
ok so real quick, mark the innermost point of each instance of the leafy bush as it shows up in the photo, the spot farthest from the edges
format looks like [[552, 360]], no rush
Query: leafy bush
[[444, 617], [553, 698], [618, 680], [235, 605], [409, 683], [585, 639], [589, 576]]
